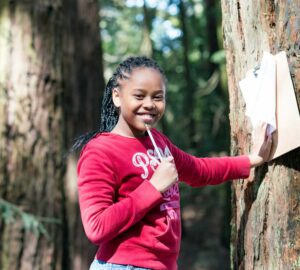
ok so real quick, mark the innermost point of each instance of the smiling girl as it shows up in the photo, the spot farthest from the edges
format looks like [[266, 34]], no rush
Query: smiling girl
[[129, 198]]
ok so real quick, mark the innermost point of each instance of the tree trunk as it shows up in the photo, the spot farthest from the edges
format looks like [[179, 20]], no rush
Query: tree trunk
[[84, 86], [32, 142], [189, 96], [265, 222], [40, 77], [146, 45]]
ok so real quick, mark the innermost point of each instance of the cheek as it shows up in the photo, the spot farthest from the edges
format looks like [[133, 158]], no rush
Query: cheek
[[161, 109], [128, 103], [130, 107]]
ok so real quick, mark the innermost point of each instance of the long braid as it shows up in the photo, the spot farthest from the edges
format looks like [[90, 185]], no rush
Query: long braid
[[109, 113]]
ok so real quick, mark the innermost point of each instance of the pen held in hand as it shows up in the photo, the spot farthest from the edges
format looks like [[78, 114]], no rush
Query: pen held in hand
[[153, 142]]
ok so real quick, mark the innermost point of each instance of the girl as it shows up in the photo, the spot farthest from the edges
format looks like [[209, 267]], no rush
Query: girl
[[129, 197]]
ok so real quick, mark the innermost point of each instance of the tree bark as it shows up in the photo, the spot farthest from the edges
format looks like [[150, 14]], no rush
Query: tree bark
[[83, 66], [189, 96], [32, 143], [146, 45], [265, 222], [84, 83], [49, 77]]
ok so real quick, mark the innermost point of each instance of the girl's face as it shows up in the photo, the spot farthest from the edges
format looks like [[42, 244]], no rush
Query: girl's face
[[141, 100]]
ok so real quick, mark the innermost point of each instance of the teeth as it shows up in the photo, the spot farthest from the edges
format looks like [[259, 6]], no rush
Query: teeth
[[147, 116]]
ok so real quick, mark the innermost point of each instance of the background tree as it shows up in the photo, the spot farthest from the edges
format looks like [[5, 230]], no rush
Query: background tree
[[265, 223], [31, 139], [84, 82], [50, 77]]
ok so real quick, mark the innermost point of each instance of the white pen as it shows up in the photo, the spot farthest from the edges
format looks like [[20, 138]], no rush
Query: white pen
[[153, 142]]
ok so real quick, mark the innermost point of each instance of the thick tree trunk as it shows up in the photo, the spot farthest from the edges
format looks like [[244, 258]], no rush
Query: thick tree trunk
[[265, 222], [84, 85], [32, 143], [40, 77]]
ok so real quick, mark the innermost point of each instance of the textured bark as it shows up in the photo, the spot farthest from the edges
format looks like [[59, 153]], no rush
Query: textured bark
[[265, 222], [84, 85], [32, 167], [46, 66]]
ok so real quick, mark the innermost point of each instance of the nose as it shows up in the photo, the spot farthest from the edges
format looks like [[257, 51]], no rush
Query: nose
[[148, 103]]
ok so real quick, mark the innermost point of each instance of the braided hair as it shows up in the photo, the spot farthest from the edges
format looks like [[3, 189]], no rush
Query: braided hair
[[109, 113]]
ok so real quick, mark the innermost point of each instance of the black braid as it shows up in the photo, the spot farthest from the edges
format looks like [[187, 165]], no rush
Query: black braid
[[109, 113]]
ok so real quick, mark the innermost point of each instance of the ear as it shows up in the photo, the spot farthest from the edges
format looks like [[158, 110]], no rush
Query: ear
[[116, 97]]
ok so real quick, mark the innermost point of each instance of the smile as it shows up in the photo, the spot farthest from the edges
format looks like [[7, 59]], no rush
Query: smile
[[147, 116]]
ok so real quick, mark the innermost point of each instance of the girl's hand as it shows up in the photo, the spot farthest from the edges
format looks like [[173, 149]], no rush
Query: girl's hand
[[165, 175], [261, 145]]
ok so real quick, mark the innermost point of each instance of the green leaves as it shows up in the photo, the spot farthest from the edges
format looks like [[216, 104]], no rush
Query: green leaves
[[11, 213], [218, 57]]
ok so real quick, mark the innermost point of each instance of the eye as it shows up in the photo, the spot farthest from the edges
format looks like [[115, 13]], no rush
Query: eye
[[138, 96], [158, 97]]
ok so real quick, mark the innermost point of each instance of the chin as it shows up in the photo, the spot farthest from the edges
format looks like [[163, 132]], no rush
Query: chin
[[151, 123]]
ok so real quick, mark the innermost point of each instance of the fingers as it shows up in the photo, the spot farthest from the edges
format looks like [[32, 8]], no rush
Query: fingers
[[165, 174], [262, 144], [266, 148], [269, 142], [167, 159], [170, 158], [270, 138]]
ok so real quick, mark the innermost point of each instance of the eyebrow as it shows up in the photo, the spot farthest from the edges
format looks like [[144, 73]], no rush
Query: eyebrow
[[144, 90]]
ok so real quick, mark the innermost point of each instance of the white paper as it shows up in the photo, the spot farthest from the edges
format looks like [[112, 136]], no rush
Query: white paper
[[259, 92]]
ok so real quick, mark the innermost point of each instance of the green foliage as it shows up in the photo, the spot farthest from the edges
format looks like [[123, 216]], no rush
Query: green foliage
[[10, 213], [218, 57]]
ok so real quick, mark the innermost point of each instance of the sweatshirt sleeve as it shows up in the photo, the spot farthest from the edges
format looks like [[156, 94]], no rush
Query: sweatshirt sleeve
[[103, 218], [199, 172]]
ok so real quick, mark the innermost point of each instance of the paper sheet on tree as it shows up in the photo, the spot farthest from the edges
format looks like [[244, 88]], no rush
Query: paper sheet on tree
[[269, 96], [259, 92]]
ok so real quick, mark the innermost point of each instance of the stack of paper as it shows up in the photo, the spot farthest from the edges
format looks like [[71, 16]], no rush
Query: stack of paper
[[259, 92], [269, 96]]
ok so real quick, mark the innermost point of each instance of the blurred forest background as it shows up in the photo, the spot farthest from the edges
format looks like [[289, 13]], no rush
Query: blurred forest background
[[55, 59]]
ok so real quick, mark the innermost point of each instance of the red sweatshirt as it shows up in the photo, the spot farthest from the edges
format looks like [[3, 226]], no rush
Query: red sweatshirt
[[122, 213]]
